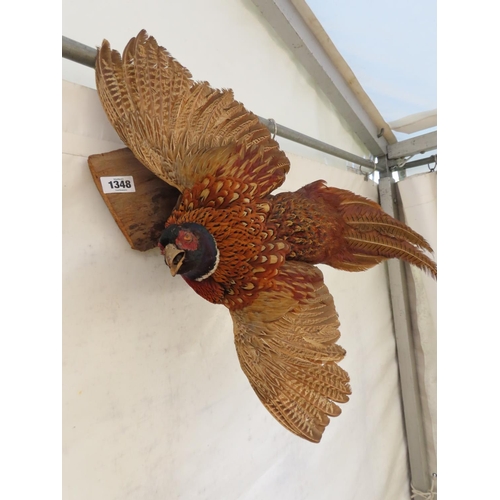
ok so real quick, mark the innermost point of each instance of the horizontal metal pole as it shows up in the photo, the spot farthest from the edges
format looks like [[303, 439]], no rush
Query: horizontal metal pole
[[85, 55], [293, 135], [78, 52], [419, 144], [416, 163]]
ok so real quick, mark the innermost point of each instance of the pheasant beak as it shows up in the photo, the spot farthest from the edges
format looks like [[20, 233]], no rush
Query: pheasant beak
[[173, 258]]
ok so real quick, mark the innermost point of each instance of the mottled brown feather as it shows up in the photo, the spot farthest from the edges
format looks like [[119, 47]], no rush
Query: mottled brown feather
[[248, 261], [169, 121], [286, 344]]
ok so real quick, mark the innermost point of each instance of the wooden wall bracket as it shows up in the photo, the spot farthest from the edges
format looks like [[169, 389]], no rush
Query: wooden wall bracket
[[140, 215]]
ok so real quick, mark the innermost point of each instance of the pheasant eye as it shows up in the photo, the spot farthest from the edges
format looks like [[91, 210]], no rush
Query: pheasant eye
[[177, 258], [186, 240]]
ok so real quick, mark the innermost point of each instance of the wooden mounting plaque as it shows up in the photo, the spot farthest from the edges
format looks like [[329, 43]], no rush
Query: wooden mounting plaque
[[140, 215]]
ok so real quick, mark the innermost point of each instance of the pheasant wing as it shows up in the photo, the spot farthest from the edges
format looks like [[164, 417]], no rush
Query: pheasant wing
[[180, 129], [286, 345]]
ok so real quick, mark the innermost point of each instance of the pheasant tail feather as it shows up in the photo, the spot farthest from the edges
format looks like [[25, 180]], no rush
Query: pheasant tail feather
[[327, 225], [373, 236]]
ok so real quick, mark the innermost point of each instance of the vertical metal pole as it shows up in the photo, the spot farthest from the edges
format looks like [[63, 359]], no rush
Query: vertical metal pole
[[417, 449]]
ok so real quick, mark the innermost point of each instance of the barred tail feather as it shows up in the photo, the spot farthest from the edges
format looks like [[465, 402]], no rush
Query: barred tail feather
[[372, 245], [387, 226], [372, 236]]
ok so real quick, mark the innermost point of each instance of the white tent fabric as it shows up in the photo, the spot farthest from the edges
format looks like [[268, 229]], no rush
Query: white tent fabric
[[155, 404], [419, 200]]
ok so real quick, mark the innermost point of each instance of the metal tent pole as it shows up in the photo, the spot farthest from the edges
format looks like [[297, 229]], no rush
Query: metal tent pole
[[78, 52], [410, 392], [416, 163]]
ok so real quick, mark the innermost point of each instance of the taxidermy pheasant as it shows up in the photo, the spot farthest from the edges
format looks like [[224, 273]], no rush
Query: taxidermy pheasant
[[238, 245]]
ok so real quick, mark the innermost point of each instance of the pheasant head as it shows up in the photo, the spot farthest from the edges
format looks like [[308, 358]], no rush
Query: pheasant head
[[189, 250]]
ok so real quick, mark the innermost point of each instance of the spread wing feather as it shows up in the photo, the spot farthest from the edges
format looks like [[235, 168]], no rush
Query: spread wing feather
[[286, 344], [180, 129]]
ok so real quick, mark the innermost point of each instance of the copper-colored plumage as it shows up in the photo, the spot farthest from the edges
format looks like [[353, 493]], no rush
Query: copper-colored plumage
[[226, 165]]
